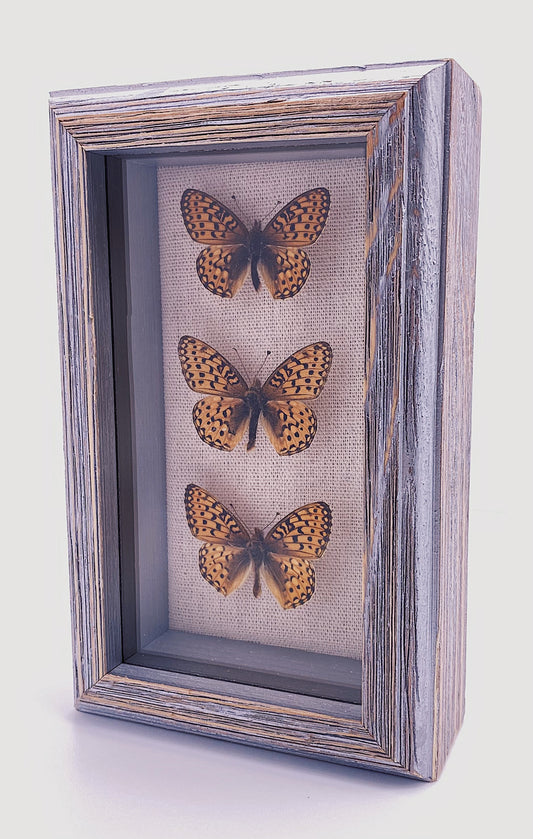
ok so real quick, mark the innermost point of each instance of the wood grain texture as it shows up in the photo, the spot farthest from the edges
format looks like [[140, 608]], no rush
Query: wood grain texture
[[455, 380], [88, 407], [421, 124]]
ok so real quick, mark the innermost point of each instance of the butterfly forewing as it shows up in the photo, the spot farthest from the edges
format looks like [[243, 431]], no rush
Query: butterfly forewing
[[301, 221], [224, 567], [302, 375], [210, 521], [207, 371], [208, 221], [290, 579], [304, 532]]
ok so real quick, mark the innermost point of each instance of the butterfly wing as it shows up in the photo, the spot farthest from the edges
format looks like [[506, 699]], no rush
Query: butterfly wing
[[290, 424], [297, 538], [220, 421], [209, 222], [224, 560], [207, 371], [222, 269], [290, 579], [221, 266], [211, 522], [283, 265], [283, 270], [301, 221], [302, 375], [221, 417], [303, 533], [224, 567]]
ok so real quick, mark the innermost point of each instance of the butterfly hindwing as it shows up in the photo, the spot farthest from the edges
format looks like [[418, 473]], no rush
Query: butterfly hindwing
[[290, 579], [301, 221], [220, 421], [283, 270], [290, 425], [224, 567], [302, 375], [304, 532], [207, 371], [222, 268], [210, 521], [208, 221]]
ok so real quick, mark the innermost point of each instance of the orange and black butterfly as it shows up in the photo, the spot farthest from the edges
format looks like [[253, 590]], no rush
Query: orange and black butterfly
[[231, 405], [274, 254], [283, 555]]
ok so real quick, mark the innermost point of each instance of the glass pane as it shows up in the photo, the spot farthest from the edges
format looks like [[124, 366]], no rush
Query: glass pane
[[164, 295]]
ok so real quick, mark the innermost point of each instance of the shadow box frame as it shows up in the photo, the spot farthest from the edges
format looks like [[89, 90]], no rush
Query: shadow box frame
[[420, 124]]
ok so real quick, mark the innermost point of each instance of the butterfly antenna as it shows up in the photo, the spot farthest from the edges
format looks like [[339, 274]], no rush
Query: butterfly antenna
[[239, 208], [241, 362], [268, 352], [271, 212], [233, 510], [271, 522]]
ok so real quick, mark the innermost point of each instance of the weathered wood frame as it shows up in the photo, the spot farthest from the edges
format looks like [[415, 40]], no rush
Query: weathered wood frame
[[421, 123]]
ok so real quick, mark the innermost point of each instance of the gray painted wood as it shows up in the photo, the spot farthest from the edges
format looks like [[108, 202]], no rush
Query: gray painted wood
[[329, 676], [455, 396], [147, 403], [420, 123]]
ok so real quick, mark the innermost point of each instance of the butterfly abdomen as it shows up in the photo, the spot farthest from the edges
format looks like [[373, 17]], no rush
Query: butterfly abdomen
[[257, 552], [255, 401], [255, 244]]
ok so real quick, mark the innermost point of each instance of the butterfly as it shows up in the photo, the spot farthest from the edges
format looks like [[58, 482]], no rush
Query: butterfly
[[274, 254], [230, 551], [231, 406]]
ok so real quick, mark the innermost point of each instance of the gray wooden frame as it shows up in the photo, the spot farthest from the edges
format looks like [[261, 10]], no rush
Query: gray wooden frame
[[421, 124]]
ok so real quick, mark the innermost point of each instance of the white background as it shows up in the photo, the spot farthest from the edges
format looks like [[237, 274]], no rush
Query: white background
[[74, 775]]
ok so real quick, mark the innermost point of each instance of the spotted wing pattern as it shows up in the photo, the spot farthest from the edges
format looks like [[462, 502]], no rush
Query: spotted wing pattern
[[291, 426], [207, 371], [290, 579], [224, 567], [303, 533], [211, 522], [301, 221], [208, 221], [302, 375], [222, 269], [220, 421], [283, 270], [222, 266], [226, 555]]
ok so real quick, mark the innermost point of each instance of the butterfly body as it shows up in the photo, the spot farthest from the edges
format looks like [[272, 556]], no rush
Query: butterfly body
[[282, 556], [258, 555], [255, 248], [273, 255], [230, 405], [255, 402]]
